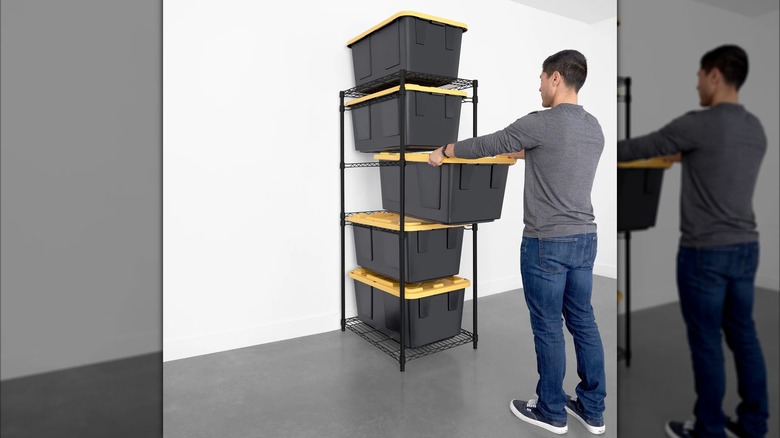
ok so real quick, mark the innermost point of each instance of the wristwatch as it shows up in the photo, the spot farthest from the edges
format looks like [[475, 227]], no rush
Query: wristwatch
[[444, 151]]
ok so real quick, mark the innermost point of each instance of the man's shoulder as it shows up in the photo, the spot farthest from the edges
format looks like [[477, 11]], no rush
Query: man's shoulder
[[691, 117], [718, 114], [555, 112], [534, 117]]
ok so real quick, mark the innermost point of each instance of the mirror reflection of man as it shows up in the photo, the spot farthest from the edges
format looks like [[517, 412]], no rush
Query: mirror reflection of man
[[721, 149]]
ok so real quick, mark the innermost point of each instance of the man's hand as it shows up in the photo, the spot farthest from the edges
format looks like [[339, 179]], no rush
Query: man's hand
[[435, 158], [676, 158], [520, 155]]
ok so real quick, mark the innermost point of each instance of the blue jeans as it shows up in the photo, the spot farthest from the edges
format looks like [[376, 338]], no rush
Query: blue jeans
[[557, 283], [716, 293]]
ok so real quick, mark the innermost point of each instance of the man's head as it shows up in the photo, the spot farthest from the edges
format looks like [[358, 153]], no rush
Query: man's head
[[722, 70], [564, 71]]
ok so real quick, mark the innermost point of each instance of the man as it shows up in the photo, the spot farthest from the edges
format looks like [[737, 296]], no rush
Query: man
[[561, 147], [721, 150]]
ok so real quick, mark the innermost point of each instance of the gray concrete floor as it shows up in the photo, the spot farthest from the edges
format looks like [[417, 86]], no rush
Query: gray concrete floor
[[117, 399], [336, 384], [658, 386]]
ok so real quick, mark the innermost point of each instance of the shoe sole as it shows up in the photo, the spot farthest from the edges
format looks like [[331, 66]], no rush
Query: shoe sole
[[543, 425], [595, 430], [669, 432]]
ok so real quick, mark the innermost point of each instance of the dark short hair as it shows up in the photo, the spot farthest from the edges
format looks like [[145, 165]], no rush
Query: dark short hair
[[730, 60], [571, 64]]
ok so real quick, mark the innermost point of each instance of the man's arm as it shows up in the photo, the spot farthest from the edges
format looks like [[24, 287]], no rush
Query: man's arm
[[646, 146], [525, 133], [669, 141], [516, 155], [449, 150]]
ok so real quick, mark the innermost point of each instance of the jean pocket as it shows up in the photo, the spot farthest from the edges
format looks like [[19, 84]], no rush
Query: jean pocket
[[556, 253], [749, 261], [715, 265], [591, 248]]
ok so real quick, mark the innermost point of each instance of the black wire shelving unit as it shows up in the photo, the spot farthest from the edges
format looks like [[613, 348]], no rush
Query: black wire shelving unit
[[384, 343]]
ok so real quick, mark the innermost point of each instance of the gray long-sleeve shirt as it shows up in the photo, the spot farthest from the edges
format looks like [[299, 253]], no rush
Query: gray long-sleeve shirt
[[722, 148], [562, 150]]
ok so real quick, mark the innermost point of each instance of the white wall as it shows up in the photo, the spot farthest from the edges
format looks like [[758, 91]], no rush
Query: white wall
[[660, 45], [251, 135]]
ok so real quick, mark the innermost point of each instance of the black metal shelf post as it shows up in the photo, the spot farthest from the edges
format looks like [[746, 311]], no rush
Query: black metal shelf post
[[474, 227], [625, 353], [402, 220], [342, 218], [398, 350]]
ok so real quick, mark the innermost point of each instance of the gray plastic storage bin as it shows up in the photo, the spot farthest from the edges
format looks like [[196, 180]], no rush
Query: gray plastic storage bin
[[459, 191], [407, 41], [434, 309], [432, 118], [432, 250], [638, 193]]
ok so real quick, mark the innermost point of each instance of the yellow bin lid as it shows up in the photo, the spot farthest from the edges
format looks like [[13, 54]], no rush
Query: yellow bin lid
[[390, 221], [409, 87], [653, 163], [422, 157], [413, 290], [407, 14]]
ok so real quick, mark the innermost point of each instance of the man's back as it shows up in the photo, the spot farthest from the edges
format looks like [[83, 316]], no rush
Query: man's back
[[719, 176], [559, 173], [722, 148]]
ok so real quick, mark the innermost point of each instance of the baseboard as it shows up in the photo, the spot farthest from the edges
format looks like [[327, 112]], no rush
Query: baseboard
[[230, 340], [608, 271], [176, 349], [487, 288], [766, 282]]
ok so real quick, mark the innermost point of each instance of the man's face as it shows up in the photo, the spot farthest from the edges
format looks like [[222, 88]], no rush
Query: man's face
[[546, 89], [705, 88]]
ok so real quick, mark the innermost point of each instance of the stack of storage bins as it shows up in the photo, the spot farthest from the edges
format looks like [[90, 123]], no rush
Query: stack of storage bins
[[433, 293], [460, 192]]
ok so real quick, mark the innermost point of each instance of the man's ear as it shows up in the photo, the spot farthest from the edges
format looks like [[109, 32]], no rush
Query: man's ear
[[715, 75], [556, 77]]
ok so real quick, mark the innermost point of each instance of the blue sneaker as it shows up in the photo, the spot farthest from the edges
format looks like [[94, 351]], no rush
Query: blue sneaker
[[528, 412], [677, 429], [575, 409]]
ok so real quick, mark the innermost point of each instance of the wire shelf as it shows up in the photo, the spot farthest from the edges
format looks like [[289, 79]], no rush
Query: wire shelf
[[370, 227], [424, 79], [352, 213], [383, 163], [393, 348], [391, 96], [375, 228]]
